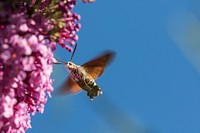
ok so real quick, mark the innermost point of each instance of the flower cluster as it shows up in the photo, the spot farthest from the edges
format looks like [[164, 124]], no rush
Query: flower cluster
[[29, 32], [25, 69]]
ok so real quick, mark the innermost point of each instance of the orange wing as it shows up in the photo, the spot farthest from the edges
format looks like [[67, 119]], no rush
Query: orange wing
[[69, 87], [97, 66]]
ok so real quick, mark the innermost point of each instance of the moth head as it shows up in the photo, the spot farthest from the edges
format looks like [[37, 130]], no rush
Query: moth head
[[70, 66]]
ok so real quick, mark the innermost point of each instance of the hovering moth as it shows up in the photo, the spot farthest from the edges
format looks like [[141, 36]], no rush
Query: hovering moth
[[82, 77]]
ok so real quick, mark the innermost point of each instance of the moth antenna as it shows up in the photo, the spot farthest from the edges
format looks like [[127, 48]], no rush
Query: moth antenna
[[60, 61], [73, 52]]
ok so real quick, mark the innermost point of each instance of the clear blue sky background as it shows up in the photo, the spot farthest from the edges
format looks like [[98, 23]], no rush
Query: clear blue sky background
[[152, 86]]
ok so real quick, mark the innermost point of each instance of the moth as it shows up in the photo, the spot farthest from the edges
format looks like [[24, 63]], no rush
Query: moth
[[82, 77]]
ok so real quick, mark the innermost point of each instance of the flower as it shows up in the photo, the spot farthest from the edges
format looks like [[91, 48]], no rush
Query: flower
[[7, 106], [29, 32], [65, 26], [25, 69]]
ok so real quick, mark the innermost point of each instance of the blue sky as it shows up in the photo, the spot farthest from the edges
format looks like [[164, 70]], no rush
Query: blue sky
[[152, 85]]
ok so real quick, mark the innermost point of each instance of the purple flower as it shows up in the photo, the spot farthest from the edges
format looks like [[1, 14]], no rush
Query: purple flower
[[29, 32], [25, 69], [7, 105]]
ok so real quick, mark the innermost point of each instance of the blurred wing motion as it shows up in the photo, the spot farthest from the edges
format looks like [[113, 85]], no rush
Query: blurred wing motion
[[93, 68], [70, 87], [97, 66]]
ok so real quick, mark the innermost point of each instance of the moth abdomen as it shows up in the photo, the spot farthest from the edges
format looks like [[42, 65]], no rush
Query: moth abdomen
[[92, 88], [94, 92]]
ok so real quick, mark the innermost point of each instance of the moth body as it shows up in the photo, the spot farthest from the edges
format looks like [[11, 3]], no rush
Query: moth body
[[84, 80]]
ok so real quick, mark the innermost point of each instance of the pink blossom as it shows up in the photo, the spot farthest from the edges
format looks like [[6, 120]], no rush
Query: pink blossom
[[28, 37], [7, 106], [25, 69]]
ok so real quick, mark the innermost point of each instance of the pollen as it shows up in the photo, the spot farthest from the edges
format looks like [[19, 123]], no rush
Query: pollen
[[14, 55]]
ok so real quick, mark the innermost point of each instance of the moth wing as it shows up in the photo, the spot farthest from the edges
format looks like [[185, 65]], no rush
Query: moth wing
[[70, 87], [97, 66]]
